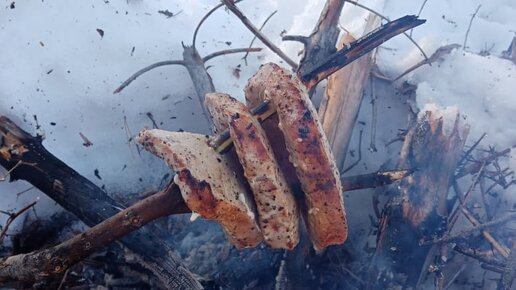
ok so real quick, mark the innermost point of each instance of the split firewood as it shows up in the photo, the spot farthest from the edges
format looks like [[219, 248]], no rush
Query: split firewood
[[419, 210], [343, 97], [85, 200]]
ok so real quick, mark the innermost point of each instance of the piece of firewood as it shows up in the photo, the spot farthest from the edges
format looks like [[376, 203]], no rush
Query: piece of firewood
[[419, 209], [85, 200], [344, 93], [56, 260]]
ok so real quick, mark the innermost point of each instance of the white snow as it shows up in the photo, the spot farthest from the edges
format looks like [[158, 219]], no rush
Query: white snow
[[55, 65]]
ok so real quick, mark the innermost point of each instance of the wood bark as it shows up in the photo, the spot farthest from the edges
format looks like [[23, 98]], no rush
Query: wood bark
[[85, 200], [42, 264], [344, 93], [419, 210]]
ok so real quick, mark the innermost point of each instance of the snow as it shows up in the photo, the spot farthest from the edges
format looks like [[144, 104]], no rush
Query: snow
[[55, 65]]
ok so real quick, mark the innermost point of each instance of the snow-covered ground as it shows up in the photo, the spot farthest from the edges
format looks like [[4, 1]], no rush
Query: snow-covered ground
[[56, 65]]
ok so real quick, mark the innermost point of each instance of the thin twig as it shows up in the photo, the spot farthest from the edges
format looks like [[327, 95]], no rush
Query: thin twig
[[233, 8], [229, 51], [478, 255], [419, 14], [470, 150], [469, 27], [63, 279], [359, 154], [146, 69], [387, 19], [477, 228], [4, 177], [12, 217], [455, 276], [254, 38], [204, 19], [374, 113]]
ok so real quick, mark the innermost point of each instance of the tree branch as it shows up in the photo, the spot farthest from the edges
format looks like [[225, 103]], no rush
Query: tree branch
[[56, 260], [146, 69], [230, 51], [230, 4], [85, 200], [357, 49]]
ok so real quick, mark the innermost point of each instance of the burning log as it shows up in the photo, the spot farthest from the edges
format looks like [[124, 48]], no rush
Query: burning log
[[419, 210]]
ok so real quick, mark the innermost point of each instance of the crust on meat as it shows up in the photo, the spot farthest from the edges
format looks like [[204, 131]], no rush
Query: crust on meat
[[254, 95], [277, 211], [207, 182], [309, 153]]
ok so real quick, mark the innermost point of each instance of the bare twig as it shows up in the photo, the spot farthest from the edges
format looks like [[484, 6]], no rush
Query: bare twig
[[56, 260], [204, 19], [229, 51], [254, 38], [4, 177], [374, 114], [146, 69], [469, 27], [437, 55], [233, 8], [372, 180], [477, 255], [12, 217], [387, 19], [479, 227], [419, 14], [359, 154]]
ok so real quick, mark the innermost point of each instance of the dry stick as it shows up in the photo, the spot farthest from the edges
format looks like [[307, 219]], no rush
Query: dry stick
[[474, 168], [194, 38], [455, 276], [372, 180], [473, 253], [496, 245], [230, 4], [440, 52], [87, 202], [359, 154], [56, 260], [63, 279], [146, 69], [180, 62], [254, 38], [462, 207], [229, 51], [374, 113], [469, 27], [478, 227], [387, 19], [470, 150], [12, 217], [357, 49], [419, 14]]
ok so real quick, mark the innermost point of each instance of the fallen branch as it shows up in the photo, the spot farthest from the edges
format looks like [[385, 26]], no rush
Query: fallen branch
[[474, 230], [85, 200], [12, 217], [387, 19], [56, 260], [254, 38], [230, 4], [469, 27], [357, 49]]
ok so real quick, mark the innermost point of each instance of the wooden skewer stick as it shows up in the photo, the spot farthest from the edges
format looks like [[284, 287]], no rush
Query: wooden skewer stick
[[222, 142]]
